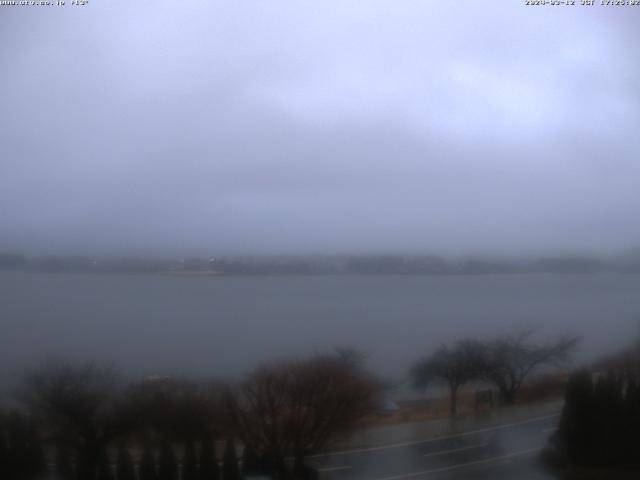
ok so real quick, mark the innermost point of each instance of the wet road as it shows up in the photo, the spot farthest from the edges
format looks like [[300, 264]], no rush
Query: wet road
[[502, 451]]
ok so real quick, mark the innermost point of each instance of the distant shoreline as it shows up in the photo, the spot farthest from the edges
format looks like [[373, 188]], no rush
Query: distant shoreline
[[191, 274], [397, 265]]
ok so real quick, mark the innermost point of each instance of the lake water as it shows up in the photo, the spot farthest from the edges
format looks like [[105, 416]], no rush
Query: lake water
[[224, 326]]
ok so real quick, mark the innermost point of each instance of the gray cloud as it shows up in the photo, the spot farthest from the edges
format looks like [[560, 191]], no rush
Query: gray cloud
[[304, 127]]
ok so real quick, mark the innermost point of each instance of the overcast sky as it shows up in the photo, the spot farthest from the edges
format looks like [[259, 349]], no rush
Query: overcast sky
[[232, 127]]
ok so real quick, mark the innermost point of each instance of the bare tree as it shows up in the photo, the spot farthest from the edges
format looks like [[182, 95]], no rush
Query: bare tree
[[176, 409], [511, 358], [454, 365], [79, 404], [297, 408]]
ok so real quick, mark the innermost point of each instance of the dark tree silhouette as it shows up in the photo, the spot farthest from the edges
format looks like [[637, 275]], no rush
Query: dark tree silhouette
[[575, 430], [230, 469], [63, 463], [608, 397], [148, 464], [104, 471], [600, 421], [4, 450], [178, 410], [455, 366], [17, 446], [189, 462], [631, 414], [252, 464], [25, 458], [125, 467], [36, 461], [79, 405], [168, 464], [511, 358], [208, 459], [298, 407]]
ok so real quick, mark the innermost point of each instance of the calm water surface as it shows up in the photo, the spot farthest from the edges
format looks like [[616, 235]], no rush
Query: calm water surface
[[226, 325]]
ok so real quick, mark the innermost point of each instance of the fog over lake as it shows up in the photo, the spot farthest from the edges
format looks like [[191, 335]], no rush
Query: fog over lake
[[251, 192], [224, 326], [337, 129]]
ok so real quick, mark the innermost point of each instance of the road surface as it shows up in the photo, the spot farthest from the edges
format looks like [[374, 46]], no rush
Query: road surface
[[500, 451]]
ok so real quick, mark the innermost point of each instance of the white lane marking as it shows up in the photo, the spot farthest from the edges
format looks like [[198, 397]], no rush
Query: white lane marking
[[463, 465], [435, 439], [334, 469], [454, 450]]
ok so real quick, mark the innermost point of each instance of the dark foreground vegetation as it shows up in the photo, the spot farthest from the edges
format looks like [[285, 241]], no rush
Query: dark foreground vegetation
[[87, 425], [597, 436], [82, 422]]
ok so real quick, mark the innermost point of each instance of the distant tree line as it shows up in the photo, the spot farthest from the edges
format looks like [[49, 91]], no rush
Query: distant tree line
[[95, 427], [317, 265]]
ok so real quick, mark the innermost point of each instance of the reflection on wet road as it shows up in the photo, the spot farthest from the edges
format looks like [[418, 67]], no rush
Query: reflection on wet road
[[504, 451]]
